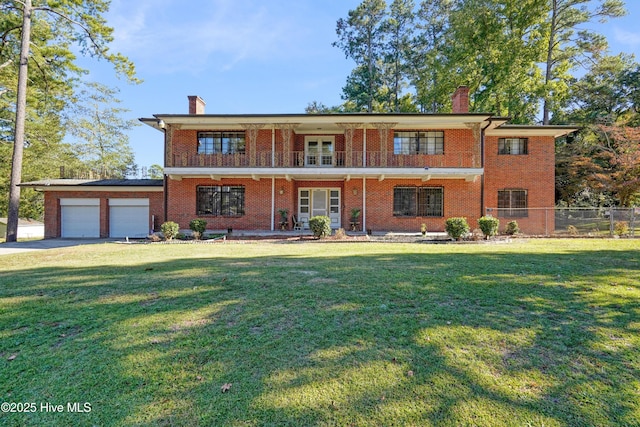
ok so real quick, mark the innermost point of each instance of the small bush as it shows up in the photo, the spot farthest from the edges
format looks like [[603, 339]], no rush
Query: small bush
[[320, 226], [340, 234], [423, 229], [198, 226], [476, 234], [170, 230], [572, 230], [489, 226], [621, 228], [456, 227], [512, 228]]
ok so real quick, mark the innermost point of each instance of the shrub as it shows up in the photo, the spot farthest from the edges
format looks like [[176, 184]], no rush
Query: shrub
[[170, 229], [456, 227], [572, 230], [340, 234], [489, 226], [198, 226], [621, 228], [512, 228], [320, 226], [423, 229]]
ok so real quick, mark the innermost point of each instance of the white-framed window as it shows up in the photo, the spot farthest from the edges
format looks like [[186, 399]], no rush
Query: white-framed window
[[319, 151]]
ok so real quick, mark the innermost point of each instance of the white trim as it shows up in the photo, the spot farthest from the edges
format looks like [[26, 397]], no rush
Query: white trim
[[100, 188], [128, 202], [80, 202], [328, 173]]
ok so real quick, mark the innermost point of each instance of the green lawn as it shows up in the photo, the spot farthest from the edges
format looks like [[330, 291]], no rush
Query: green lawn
[[532, 333]]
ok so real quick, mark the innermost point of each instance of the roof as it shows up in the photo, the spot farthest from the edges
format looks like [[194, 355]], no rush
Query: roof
[[148, 185], [95, 183], [312, 123]]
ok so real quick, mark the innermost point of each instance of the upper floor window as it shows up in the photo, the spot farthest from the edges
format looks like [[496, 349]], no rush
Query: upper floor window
[[512, 203], [418, 142], [418, 201], [220, 200], [512, 146], [221, 142]]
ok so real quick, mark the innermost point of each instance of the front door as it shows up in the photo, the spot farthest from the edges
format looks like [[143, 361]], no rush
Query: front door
[[319, 201], [319, 151]]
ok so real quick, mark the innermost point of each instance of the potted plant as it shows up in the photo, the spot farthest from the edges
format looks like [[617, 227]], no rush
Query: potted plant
[[284, 218], [355, 214]]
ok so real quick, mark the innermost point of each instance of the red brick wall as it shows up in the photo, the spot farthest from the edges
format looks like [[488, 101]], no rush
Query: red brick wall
[[52, 211], [461, 198], [182, 203], [534, 172]]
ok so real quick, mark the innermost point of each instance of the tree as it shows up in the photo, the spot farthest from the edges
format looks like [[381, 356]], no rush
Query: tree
[[602, 165], [70, 21], [495, 45], [568, 45], [97, 125], [156, 172], [399, 29], [429, 72], [361, 38]]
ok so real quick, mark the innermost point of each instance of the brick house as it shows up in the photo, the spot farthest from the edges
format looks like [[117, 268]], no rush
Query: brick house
[[399, 170]]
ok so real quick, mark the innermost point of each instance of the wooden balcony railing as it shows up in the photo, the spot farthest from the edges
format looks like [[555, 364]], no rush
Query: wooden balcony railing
[[337, 159]]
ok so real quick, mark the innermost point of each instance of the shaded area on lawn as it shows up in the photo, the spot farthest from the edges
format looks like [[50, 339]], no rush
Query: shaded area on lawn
[[317, 335]]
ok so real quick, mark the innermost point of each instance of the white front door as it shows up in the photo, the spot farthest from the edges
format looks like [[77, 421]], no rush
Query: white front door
[[319, 201]]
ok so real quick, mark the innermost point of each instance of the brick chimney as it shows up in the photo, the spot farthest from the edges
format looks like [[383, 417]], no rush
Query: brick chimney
[[196, 105], [460, 100]]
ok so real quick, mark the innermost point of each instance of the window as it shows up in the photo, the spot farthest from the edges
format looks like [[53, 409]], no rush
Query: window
[[220, 200], [512, 203], [413, 142], [221, 142], [512, 146], [418, 201]]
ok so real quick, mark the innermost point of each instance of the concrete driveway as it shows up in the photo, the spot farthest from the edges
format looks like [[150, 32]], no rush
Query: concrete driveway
[[39, 245]]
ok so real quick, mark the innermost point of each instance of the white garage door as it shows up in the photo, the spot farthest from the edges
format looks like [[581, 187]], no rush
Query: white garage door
[[80, 217], [129, 217]]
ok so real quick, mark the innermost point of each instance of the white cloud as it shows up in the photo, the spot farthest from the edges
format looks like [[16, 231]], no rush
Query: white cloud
[[177, 35], [628, 38]]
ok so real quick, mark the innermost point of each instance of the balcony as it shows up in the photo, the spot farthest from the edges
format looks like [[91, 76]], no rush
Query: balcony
[[338, 159]]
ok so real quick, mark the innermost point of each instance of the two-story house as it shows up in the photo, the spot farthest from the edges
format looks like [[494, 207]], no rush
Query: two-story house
[[399, 170]]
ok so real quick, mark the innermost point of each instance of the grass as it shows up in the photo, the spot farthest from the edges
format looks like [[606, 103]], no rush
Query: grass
[[534, 333]]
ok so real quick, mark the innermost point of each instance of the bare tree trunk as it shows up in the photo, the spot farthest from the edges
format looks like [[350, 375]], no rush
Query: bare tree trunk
[[549, 65], [18, 142]]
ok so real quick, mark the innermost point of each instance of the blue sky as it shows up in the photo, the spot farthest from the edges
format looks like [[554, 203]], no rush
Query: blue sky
[[245, 56]]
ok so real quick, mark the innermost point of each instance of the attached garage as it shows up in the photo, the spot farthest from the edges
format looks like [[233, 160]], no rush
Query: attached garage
[[102, 208], [129, 218], [80, 217]]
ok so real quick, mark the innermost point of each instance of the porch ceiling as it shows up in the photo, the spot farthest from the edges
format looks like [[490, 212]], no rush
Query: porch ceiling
[[319, 123], [326, 174]]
